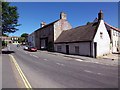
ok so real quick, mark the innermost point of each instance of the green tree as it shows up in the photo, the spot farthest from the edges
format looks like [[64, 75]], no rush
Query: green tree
[[21, 40], [24, 35], [9, 18]]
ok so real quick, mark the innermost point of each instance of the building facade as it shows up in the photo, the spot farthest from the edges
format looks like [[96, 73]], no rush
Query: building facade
[[15, 39], [114, 34], [89, 40], [48, 33], [31, 39]]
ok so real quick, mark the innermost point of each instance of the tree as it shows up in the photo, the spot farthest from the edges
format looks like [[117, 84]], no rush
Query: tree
[[9, 18], [21, 40], [24, 35], [88, 23]]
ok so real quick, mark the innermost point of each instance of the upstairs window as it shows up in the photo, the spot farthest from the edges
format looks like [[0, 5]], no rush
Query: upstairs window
[[101, 35]]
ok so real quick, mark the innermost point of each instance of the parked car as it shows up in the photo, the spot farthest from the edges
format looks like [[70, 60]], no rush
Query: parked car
[[31, 48], [25, 47]]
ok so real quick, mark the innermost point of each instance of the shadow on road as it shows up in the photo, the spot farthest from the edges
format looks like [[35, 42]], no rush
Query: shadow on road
[[7, 52]]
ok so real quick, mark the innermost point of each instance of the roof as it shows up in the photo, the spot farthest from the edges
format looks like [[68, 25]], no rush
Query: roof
[[111, 27], [78, 34], [48, 25]]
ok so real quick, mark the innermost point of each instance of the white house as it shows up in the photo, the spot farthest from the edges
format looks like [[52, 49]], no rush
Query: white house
[[114, 34], [89, 40]]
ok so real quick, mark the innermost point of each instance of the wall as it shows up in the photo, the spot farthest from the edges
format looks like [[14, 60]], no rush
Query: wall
[[59, 26], [103, 44], [31, 39], [84, 48], [115, 36]]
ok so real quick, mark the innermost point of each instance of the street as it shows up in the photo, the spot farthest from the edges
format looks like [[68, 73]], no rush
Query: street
[[54, 71]]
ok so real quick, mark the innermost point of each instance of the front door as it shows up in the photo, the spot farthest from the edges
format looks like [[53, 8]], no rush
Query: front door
[[67, 49], [95, 49]]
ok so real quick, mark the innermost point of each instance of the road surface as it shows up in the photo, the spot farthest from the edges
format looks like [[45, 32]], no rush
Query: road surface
[[50, 71]]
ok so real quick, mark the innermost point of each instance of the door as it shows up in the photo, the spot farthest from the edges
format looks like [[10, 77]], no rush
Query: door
[[95, 49], [67, 49]]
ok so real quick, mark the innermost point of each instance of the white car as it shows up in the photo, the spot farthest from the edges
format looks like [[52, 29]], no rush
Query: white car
[[25, 47]]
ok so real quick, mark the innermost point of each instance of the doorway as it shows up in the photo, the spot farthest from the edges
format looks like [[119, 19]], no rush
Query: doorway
[[95, 49], [67, 49]]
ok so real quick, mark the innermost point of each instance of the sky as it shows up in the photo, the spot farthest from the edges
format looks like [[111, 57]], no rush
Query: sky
[[31, 14]]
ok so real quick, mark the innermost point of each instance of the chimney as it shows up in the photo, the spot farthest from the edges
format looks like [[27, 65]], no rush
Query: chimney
[[43, 24], [100, 15], [63, 16], [95, 20]]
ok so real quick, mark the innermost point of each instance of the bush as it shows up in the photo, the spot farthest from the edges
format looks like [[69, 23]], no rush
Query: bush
[[4, 43]]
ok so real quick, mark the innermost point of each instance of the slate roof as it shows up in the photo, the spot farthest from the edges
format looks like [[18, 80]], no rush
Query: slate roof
[[78, 34], [48, 25]]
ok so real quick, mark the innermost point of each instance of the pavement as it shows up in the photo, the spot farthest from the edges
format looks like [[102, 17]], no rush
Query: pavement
[[8, 77], [53, 70]]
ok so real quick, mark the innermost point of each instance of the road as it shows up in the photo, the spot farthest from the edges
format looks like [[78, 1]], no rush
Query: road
[[50, 71]]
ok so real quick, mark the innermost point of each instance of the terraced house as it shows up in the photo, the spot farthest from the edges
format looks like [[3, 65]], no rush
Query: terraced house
[[94, 39]]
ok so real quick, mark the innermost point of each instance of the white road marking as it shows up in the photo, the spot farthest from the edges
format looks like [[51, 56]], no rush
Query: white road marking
[[96, 62], [88, 71], [45, 59], [60, 64], [35, 56], [99, 73], [26, 52], [78, 60], [31, 55]]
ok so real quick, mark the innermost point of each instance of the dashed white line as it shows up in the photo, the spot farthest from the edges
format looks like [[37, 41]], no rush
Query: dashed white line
[[35, 56], [99, 73], [31, 55], [78, 60], [92, 72], [60, 64], [88, 71], [45, 59]]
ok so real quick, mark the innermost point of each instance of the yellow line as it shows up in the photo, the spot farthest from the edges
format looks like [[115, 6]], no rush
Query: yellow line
[[27, 84]]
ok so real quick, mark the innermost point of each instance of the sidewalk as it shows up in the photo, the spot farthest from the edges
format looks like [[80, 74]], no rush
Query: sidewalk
[[111, 59]]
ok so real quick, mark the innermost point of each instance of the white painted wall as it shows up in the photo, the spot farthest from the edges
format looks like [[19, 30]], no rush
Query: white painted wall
[[84, 48], [103, 44], [115, 36]]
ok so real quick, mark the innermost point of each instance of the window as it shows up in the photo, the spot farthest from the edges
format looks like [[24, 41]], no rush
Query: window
[[113, 33], [116, 33], [59, 48], [76, 49], [101, 35], [119, 34]]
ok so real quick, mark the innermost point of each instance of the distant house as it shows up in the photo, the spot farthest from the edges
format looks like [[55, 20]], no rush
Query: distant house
[[90, 40], [10, 39], [15, 39], [6, 39], [114, 34], [48, 33]]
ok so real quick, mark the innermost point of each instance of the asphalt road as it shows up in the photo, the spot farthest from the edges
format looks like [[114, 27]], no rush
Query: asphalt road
[[50, 71]]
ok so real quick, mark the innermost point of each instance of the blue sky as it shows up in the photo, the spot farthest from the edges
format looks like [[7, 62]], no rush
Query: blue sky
[[78, 13]]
